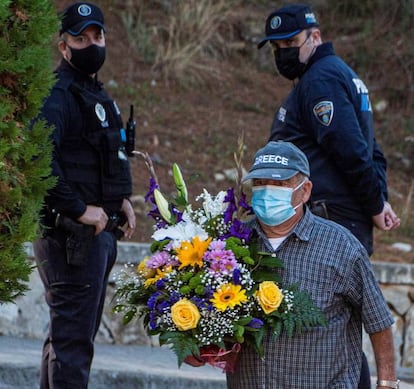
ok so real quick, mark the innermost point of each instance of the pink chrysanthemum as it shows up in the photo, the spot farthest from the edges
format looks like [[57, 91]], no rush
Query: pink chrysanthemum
[[158, 260]]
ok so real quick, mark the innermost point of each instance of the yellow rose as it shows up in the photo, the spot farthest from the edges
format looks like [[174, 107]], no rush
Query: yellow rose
[[185, 315], [145, 271], [269, 296]]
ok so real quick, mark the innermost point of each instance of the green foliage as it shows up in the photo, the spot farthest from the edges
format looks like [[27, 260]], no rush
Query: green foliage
[[138, 32], [298, 312], [239, 249], [182, 345], [188, 36], [26, 76], [265, 265], [158, 245]]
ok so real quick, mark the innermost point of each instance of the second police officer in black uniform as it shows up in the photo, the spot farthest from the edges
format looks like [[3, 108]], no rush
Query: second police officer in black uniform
[[87, 206], [328, 115]]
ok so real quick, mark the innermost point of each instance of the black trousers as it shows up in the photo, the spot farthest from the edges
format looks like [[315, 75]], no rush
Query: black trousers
[[365, 380], [362, 231], [75, 295]]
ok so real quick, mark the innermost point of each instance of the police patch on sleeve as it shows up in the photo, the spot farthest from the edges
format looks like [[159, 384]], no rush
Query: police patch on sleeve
[[324, 112], [100, 112]]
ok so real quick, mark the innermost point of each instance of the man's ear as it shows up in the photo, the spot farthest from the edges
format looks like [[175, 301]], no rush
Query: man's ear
[[307, 190]]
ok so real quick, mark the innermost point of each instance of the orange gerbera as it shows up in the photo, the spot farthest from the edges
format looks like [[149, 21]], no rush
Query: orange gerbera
[[191, 253]]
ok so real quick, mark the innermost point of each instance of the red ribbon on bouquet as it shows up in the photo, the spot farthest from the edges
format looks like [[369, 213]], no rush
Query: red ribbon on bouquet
[[225, 359]]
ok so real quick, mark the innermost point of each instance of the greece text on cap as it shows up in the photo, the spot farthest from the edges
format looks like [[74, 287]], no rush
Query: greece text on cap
[[271, 158]]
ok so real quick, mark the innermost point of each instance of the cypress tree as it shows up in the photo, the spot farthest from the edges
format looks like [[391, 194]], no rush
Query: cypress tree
[[26, 76]]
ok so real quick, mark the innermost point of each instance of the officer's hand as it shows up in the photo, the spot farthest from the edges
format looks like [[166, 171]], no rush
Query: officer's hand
[[386, 220], [129, 212], [94, 216]]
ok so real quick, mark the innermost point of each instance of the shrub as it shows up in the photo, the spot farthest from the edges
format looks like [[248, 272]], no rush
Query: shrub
[[26, 27]]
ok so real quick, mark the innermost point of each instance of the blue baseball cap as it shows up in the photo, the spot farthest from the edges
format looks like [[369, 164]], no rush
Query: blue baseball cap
[[78, 16], [278, 161], [287, 22]]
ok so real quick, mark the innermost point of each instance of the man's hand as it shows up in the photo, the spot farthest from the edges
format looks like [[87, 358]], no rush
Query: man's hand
[[94, 216], [386, 220], [128, 210]]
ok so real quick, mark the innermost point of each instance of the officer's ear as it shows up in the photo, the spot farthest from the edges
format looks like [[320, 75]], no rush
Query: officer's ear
[[61, 44], [316, 36], [63, 47]]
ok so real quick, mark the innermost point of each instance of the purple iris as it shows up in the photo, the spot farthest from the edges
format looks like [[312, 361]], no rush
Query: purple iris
[[155, 214], [178, 214], [255, 323], [153, 320], [209, 291], [240, 230], [199, 302], [160, 284], [231, 208], [237, 276], [244, 204], [150, 195], [162, 306], [152, 301], [174, 297]]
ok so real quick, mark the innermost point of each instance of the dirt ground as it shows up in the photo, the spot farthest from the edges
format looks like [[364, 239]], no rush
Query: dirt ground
[[198, 126]]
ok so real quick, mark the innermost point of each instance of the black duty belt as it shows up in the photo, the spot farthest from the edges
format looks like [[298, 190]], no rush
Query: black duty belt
[[68, 225]]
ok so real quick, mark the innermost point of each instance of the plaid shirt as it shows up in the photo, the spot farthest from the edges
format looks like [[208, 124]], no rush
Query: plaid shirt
[[326, 260]]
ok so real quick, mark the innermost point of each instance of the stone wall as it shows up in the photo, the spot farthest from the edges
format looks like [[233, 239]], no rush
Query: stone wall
[[28, 317]]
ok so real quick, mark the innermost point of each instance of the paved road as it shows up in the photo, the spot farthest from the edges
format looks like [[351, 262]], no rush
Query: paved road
[[126, 367]]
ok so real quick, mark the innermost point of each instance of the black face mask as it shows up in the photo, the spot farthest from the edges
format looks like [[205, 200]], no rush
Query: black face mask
[[88, 60], [288, 64], [287, 61]]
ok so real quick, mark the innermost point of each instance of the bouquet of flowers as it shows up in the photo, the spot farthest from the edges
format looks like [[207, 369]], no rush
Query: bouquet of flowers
[[206, 289]]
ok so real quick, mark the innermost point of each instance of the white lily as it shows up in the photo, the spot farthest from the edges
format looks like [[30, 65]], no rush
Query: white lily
[[180, 183], [213, 206], [163, 206], [185, 230]]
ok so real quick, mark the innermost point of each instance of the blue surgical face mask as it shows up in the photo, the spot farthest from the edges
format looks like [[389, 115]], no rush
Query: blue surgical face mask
[[273, 204]]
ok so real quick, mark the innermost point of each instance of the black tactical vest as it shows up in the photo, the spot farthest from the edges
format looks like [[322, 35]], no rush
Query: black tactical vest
[[95, 155]]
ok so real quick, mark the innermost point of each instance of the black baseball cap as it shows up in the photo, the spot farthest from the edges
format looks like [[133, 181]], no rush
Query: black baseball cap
[[78, 16], [287, 22], [278, 161]]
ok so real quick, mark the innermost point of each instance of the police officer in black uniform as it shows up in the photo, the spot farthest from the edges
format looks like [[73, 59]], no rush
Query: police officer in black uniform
[[328, 115], [88, 208]]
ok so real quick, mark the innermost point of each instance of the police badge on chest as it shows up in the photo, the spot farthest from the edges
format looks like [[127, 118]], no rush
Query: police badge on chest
[[101, 115]]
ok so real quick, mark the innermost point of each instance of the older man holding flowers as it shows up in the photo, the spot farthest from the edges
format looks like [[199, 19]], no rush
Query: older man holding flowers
[[325, 259]]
